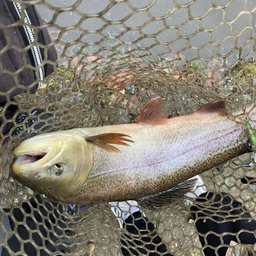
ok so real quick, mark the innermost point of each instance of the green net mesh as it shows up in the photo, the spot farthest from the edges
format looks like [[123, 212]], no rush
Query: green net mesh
[[113, 57]]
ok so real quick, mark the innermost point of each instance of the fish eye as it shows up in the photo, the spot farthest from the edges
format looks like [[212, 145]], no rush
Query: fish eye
[[58, 166], [56, 170]]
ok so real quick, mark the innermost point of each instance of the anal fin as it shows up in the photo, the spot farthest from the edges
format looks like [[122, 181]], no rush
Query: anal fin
[[165, 198]]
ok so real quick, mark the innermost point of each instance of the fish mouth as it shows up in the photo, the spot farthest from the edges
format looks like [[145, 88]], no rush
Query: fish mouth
[[44, 150], [29, 158]]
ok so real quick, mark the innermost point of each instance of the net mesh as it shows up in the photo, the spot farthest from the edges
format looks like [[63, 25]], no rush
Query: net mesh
[[113, 57]]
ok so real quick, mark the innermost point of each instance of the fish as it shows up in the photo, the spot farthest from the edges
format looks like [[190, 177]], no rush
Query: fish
[[143, 161]]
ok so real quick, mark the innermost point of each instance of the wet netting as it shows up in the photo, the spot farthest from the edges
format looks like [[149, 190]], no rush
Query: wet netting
[[84, 63]]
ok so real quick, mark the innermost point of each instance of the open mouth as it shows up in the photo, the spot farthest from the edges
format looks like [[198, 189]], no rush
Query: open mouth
[[29, 158]]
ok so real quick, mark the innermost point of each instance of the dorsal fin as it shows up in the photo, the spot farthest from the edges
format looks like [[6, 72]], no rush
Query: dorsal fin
[[213, 107], [153, 113], [104, 140]]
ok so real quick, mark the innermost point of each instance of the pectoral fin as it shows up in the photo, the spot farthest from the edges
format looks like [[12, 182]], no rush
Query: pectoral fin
[[165, 198], [104, 140]]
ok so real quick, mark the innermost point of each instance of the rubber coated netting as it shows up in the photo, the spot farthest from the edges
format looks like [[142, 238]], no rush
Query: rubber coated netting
[[113, 57]]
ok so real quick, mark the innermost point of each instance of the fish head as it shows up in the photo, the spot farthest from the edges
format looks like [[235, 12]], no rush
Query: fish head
[[55, 164]]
